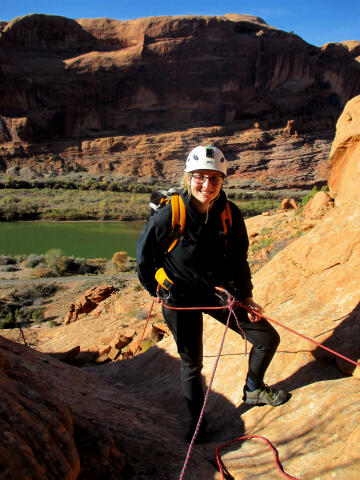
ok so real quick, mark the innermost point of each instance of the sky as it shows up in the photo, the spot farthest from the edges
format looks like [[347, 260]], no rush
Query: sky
[[316, 21]]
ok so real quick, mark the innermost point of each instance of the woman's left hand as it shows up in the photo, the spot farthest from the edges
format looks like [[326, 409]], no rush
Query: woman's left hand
[[258, 310]]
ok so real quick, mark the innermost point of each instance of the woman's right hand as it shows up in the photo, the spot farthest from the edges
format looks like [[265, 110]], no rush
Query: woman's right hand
[[257, 309]]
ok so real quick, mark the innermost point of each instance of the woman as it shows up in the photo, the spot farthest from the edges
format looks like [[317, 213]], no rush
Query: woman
[[203, 259]]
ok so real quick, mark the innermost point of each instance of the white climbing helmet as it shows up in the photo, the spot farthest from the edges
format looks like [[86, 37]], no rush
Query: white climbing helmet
[[206, 158]]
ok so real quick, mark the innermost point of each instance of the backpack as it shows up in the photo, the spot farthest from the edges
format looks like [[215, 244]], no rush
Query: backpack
[[160, 198]]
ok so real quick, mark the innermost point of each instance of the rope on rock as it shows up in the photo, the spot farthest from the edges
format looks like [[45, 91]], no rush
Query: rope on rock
[[273, 449], [146, 324], [231, 302], [229, 306], [304, 337]]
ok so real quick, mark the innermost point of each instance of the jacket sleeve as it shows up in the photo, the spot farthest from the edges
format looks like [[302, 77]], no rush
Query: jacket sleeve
[[237, 252], [148, 249]]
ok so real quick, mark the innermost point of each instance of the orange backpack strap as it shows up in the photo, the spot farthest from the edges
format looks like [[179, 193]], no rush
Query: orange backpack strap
[[226, 220], [178, 220]]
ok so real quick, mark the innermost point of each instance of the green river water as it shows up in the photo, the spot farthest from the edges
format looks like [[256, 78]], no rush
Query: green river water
[[78, 239]]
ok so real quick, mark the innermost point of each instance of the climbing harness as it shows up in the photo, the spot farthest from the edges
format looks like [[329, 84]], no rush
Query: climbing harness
[[231, 302]]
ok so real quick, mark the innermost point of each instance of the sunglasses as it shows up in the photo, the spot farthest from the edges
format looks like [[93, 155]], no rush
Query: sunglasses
[[214, 179]]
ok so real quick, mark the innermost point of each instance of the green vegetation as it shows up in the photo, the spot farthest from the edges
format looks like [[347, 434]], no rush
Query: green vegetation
[[148, 343], [55, 264], [23, 305], [86, 198], [96, 204], [250, 208], [66, 204], [312, 194], [264, 242]]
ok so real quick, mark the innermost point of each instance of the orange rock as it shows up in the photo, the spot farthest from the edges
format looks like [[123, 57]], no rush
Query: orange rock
[[344, 155], [88, 302], [318, 205], [293, 203], [285, 204], [291, 128]]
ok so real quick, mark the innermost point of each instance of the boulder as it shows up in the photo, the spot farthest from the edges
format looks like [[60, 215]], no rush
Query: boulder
[[88, 302], [344, 155], [285, 204], [318, 205], [288, 204]]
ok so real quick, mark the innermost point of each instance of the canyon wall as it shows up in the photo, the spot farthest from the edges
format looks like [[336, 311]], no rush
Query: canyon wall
[[131, 98]]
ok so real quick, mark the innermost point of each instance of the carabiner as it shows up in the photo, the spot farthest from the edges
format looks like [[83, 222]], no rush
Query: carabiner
[[223, 290]]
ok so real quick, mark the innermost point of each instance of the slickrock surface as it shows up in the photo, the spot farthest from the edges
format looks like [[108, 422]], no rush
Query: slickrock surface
[[56, 419], [130, 98]]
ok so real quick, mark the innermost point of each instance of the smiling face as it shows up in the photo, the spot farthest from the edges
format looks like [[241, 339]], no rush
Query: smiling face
[[205, 186]]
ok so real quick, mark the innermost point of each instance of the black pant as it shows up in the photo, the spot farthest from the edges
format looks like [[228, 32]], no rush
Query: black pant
[[187, 329]]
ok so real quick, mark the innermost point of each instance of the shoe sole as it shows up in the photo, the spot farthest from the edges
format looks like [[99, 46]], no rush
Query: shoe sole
[[251, 401]]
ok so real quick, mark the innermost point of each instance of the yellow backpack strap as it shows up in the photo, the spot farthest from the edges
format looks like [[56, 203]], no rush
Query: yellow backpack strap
[[178, 219], [226, 219]]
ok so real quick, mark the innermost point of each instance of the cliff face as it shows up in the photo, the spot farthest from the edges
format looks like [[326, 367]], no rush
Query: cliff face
[[82, 91]]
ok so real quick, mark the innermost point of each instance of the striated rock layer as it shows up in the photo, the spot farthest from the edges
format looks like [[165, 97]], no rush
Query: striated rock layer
[[102, 95]]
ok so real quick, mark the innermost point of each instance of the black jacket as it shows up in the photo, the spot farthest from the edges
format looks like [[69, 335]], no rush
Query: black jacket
[[202, 259]]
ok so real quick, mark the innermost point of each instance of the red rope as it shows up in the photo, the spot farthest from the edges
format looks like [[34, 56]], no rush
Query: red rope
[[201, 416], [146, 324], [273, 449], [229, 306], [303, 336]]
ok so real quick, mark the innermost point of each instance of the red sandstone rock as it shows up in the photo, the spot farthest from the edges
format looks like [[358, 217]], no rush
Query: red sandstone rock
[[353, 47], [291, 128], [293, 203], [88, 302], [288, 204], [318, 205], [344, 155], [285, 204], [53, 111]]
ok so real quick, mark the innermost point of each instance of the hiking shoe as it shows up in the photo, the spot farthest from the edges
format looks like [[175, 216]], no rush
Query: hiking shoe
[[200, 437], [266, 396]]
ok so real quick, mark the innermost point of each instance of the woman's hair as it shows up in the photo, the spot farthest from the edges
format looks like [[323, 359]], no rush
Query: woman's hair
[[185, 182]]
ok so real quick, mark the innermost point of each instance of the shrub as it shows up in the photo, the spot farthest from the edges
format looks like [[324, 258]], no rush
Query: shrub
[[81, 266], [42, 272], [6, 260], [9, 268], [147, 343], [56, 261], [7, 321], [120, 259], [27, 294], [34, 260], [37, 316], [312, 194]]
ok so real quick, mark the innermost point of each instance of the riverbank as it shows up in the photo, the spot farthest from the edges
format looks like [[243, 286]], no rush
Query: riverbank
[[65, 204]]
